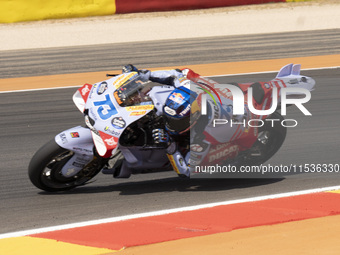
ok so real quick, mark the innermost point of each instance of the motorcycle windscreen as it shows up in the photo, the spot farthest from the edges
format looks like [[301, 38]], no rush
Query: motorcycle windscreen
[[133, 92]]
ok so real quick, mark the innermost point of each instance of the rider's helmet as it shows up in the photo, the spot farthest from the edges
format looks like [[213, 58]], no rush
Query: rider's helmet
[[129, 68], [181, 110]]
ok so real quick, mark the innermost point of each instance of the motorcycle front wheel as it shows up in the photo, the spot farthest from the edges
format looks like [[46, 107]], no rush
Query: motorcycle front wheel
[[45, 168]]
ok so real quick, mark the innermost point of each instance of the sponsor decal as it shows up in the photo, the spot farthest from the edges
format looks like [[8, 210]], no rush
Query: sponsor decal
[[111, 142], [177, 98], [63, 138], [118, 122], [169, 111], [139, 107], [102, 88], [111, 131], [74, 134], [122, 79], [119, 101], [186, 110], [222, 152], [85, 90], [138, 113], [106, 108], [82, 150]]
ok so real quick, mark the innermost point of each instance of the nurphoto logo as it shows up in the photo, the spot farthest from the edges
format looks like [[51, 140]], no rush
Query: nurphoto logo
[[239, 102]]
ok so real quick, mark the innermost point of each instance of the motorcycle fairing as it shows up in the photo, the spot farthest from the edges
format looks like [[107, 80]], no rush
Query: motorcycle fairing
[[106, 144], [290, 76], [77, 139], [108, 118]]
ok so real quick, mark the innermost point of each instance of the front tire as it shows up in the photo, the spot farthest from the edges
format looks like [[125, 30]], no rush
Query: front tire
[[45, 167]]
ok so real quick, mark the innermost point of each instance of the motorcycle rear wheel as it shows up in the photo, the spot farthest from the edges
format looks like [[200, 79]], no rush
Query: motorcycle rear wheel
[[45, 167]]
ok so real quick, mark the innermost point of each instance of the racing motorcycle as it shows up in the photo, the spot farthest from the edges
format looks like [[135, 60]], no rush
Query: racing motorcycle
[[120, 114]]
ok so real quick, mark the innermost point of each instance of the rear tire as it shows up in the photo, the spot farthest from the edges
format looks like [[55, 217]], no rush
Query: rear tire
[[45, 167]]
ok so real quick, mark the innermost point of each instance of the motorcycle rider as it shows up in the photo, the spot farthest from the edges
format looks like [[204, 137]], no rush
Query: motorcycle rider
[[182, 114]]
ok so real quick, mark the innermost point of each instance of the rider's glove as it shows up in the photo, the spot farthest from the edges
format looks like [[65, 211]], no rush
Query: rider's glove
[[160, 136], [129, 68]]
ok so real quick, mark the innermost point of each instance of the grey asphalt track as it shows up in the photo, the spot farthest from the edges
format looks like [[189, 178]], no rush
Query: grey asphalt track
[[29, 119], [78, 59]]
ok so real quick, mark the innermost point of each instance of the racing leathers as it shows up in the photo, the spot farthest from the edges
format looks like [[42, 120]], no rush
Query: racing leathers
[[205, 132]]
